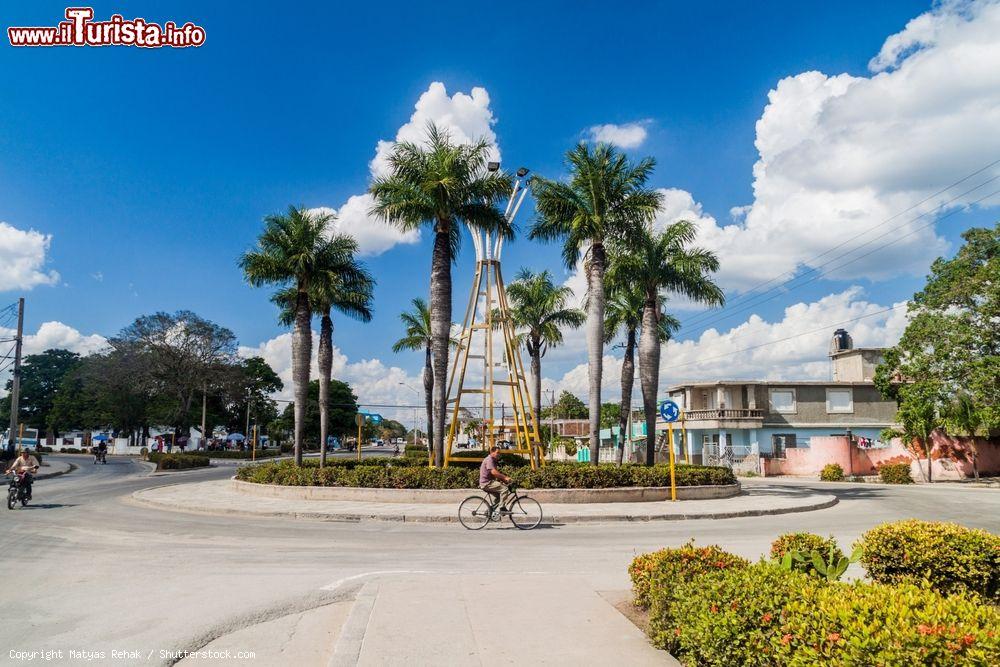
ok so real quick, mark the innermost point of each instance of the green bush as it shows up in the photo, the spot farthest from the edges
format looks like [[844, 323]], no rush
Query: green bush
[[876, 624], [895, 473], [952, 558], [165, 461], [832, 472], [415, 448], [805, 544], [731, 617], [234, 454]]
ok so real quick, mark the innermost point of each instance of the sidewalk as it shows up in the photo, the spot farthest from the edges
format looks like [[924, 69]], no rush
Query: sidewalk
[[218, 497]]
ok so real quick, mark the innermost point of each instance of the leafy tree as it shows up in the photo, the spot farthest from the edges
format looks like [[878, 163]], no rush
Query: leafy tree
[[442, 185], [950, 350], [41, 376], [538, 310], [567, 406], [294, 250], [417, 325], [343, 285], [605, 200], [247, 395], [664, 263], [343, 407], [611, 415]]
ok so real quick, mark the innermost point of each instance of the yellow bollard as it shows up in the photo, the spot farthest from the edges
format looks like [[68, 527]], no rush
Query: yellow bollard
[[673, 479]]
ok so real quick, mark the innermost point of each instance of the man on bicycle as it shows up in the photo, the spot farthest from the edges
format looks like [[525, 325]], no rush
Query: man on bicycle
[[27, 464], [491, 480]]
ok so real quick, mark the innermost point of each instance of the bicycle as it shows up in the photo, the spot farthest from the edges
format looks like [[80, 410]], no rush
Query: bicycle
[[476, 511]]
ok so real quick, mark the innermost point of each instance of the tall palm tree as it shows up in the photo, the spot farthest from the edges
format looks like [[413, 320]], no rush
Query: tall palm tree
[[664, 263], [624, 315], [605, 200], [538, 306], [417, 323], [441, 184], [345, 286], [293, 251]]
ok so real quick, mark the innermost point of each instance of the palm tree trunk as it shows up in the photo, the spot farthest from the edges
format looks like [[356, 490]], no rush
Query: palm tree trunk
[[325, 358], [628, 380], [534, 352], [429, 394], [301, 356], [440, 307], [649, 372], [596, 265]]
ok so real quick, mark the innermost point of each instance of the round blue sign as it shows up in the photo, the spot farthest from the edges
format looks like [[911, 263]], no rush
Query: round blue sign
[[670, 411]]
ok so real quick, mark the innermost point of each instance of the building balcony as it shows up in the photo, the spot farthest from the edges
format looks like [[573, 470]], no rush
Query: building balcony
[[724, 418]]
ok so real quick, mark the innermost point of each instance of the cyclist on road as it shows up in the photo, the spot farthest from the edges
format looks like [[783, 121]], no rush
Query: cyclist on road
[[491, 480], [27, 464]]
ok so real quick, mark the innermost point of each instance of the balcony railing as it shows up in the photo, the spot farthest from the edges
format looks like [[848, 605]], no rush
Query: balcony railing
[[743, 413]]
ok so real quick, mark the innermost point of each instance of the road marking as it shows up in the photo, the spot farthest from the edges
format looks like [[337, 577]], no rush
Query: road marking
[[340, 582]]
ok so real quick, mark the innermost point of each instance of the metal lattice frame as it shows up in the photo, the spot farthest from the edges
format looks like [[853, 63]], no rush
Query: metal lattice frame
[[488, 336]]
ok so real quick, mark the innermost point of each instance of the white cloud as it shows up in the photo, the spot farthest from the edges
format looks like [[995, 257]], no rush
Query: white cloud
[[52, 335], [22, 259], [713, 355], [629, 135], [838, 155], [467, 117]]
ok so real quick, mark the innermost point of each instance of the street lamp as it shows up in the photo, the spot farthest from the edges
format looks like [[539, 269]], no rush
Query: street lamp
[[414, 412]]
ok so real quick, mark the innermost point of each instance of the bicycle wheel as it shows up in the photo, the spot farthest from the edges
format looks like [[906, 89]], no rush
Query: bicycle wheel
[[474, 512], [525, 513]]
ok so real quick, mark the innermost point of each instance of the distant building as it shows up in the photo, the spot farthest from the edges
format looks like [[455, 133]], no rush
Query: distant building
[[741, 417]]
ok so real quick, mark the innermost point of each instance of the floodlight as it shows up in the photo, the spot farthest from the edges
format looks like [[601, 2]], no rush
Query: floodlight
[[493, 166], [522, 172]]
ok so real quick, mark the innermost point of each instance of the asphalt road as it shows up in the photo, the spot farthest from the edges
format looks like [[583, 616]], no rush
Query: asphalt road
[[105, 574]]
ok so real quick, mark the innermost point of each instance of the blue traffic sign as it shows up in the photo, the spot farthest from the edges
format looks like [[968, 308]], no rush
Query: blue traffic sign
[[373, 417], [670, 411]]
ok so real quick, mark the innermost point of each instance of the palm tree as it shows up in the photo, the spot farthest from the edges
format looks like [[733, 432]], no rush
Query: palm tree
[[346, 286], [624, 314], [605, 200], [538, 306], [293, 251], [417, 323], [658, 263], [441, 184]]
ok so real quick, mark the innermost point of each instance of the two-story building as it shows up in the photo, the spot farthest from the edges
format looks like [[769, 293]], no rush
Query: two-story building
[[734, 418]]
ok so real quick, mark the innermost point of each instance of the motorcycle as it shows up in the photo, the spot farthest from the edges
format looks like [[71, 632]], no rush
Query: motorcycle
[[100, 456], [18, 490]]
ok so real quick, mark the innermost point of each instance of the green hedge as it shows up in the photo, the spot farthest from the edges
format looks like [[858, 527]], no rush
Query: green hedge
[[806, 543], [166, 461], [895, 473], [405, 473], [952, 558], [234, 454], [832, 472]]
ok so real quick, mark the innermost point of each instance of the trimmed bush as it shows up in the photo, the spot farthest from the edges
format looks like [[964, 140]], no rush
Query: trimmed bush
[[805, 544], [234, 453], [954, 559], [656, 578], [875, 624], [732, 617], [895, 473], [832, 472], [165, 461]]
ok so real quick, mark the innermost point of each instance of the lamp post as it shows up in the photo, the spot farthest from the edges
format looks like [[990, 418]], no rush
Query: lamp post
[[414, 412]]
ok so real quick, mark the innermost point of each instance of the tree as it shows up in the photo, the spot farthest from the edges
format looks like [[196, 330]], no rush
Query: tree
[[605, 200], [962, 417], [293, 250], [624, 314], [441, 184], [41, 376], [417, 324], [950, 350], [664, 263], [343, 407], [343, 285], [538, 308], [246, 394], [567, 406]]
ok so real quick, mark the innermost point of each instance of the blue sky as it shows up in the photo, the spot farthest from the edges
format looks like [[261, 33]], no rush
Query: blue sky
[[151, 169]]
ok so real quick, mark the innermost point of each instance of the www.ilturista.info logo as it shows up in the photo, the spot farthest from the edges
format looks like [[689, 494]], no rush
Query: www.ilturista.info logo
[[79, 29]]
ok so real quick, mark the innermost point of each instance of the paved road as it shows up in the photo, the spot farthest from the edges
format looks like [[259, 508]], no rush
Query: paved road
[[110, 575]]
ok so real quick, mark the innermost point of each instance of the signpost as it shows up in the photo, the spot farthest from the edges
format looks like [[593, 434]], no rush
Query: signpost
[[671, 412]]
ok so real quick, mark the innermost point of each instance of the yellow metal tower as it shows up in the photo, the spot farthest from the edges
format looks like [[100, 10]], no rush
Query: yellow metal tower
[[488, 337]]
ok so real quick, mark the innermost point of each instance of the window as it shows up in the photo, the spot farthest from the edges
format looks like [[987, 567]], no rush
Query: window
[[780, 442], [782, 400], [839, 400]]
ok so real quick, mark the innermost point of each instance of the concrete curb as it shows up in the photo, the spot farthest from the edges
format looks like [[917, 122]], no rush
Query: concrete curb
[[354, 517], [49, 475], [628, 494]]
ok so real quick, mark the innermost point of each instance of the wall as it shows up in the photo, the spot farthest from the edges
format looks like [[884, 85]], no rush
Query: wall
[[810, 406]]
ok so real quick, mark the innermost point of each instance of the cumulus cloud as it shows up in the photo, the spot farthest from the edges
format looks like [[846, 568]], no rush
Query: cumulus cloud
[[839, 155], [51, 335], [467, 117], [22, 258], [629, 135], [757, 349]]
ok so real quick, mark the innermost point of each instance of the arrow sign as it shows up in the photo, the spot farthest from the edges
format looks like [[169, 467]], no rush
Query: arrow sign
[[670, 411]]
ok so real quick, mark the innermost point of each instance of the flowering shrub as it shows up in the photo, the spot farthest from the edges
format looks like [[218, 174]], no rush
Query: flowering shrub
[[805, 544], [952, 558], [832, 472], [895, 473]]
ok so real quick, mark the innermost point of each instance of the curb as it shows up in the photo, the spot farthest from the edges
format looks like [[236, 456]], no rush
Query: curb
[[50, 475], [333, 517]]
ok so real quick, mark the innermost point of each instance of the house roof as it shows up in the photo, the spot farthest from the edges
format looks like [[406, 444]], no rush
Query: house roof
[[771, 383]]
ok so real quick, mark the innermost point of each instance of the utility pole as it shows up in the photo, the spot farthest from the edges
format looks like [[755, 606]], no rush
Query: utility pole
[[15, 390]]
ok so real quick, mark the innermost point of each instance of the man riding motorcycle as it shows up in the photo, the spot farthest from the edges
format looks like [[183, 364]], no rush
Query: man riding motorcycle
[[101, 452], [25, 465]]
